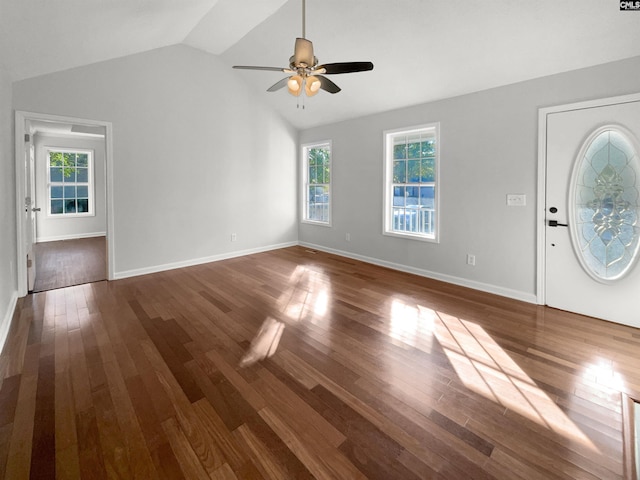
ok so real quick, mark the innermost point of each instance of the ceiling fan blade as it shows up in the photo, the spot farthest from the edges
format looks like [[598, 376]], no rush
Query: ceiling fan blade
[[327, 85], [345, 67], [270, 69], [278, 85], [303, 53]]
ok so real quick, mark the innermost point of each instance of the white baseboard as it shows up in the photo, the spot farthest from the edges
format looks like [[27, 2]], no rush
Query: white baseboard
[[463, 282], [6, 319], [199, 261], [70, 237], [484, 287]]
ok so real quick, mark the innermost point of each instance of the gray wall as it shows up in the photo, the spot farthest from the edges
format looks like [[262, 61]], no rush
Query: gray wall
[[8, 281], [50, 228], [488, 143], [197, 156]]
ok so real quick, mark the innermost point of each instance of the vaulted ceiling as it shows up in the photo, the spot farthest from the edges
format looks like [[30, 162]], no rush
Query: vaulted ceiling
[[423, 50]]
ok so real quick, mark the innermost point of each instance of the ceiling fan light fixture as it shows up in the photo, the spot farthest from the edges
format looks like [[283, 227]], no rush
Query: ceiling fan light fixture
[[294, 85], [307, 76], [312, 86]]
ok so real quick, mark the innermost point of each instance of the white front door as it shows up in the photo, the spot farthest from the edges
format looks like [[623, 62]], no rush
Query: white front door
[[592, 226]]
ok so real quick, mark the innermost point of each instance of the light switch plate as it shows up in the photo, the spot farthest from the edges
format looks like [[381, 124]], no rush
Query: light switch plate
[[516, 199]]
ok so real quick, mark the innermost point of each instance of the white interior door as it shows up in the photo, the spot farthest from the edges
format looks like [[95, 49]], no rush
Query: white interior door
[[592, 230], [30, 209]]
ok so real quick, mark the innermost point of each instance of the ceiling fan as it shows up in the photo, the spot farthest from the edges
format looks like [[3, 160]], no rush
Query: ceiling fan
[[306, 75]]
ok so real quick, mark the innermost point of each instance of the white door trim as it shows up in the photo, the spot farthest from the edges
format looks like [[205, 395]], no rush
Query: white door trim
[[20, 118], [542, 175]]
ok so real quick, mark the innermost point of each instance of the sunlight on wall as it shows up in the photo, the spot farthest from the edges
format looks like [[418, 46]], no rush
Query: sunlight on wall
[[482, 365]]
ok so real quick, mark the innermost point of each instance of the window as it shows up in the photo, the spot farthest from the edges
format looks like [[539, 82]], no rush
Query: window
[[317, 183], [411, 182], [70, 186]]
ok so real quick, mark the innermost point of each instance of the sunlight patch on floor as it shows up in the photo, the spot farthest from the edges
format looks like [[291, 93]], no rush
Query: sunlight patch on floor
[[307, 296], [412, 325], [482, 365], [604, 374], [265, 343]]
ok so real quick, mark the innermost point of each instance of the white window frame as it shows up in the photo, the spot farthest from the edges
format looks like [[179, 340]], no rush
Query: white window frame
[[305, 183], [90, 183], [387, 223]]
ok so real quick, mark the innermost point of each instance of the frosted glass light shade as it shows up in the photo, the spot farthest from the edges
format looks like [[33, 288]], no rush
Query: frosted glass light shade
[[312, 86], [294, 85]]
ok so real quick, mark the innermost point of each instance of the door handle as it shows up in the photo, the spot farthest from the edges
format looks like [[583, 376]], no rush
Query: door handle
[[554, 223], [36, 209]]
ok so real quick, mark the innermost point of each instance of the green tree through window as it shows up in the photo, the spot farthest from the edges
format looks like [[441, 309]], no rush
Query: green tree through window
[[410, 182], [70, 189], [317, 183]]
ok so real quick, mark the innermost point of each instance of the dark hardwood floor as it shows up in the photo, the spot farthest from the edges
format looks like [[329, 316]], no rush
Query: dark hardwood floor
[[376, 374], [70, 262]]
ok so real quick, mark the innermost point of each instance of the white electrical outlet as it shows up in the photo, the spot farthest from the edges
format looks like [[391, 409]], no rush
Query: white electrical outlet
[[234, 237], [516, 199], [348, 237], [471, 259]]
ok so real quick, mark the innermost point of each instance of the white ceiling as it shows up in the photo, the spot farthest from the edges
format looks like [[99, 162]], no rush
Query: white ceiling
[[423, 50]]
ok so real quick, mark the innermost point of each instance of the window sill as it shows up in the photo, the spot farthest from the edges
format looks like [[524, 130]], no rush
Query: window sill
[[312, 222], [412, 236], [71, 215]]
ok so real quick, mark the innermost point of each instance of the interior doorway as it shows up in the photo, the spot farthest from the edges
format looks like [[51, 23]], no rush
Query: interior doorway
[[63, 263], [63, 170]]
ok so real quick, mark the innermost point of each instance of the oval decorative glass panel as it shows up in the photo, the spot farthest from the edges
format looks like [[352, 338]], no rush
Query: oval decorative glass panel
[[605, 201]]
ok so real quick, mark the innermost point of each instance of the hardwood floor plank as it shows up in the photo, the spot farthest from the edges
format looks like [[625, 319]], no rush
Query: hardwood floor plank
[[268, 454], [235, 378], [68, 463], [322, 462], [65, 422], [173, 353], [298, 412], [43, 457], [9, 399], [189, 462], [112, 440], [5, 443], [161, 402], [221, 436], [232, 408], [19, 458], [189, 425], [462, 433], [139, 458], [91, 459], [16, 344], [377, 374], [166, 462]]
